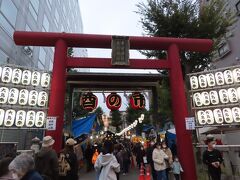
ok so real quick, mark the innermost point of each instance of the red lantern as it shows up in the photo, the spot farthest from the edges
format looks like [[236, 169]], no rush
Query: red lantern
[[137, 101], [89, 101], [114, 101]]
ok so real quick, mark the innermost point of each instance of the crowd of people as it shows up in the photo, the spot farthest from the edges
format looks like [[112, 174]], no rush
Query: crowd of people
[[124, 154], [109, 157], [43, 165]]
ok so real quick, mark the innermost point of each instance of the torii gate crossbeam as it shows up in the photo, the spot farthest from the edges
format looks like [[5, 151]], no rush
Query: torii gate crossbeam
[[61, 41]]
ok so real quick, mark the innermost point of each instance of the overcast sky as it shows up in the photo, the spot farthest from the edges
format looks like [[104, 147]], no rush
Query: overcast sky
[[111, 17]]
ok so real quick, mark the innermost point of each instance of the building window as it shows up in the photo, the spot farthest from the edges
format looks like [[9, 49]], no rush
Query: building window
[[8, 16], [49, 3], [33, 8], [45, 26], [223, 50], [50, 65], [3, 57], [42, 58], [56, 19], [42, 55], [238, 7], [64, 10]]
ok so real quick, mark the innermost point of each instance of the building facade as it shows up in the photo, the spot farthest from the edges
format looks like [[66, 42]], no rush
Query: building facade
[[36, 15], [40, 16], [228, 53]]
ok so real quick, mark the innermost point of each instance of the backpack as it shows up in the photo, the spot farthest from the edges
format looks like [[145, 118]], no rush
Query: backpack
[[63, 165], [95, 156]]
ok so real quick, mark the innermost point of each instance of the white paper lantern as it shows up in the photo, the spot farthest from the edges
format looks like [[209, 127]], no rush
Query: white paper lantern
[[45, 80], [4, 95], [23, 97], [210, 79], [236, 75], [135, 123], [2, 112], [202, 81], [227, 114], [205, 98], [232, 94], [26, 77], [40, 119], [33, 97], [236, 114], [214, 97], [30, 118], [16, 76], [219, 78], [20, 118], [194, 82], [238, 92], [6, 74], [209, 117], [201, 116], [223, 94], [218, 116], [228, 76], [197, 98], [42, 99], [13, 96], [9, 117], [35, 78]]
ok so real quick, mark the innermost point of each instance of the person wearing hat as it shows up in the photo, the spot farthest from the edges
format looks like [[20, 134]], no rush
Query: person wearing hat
[[46, 160], [212, 158], [70, 158]]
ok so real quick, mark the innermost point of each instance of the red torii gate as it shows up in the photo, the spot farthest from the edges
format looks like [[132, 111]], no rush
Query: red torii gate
[[61, 41]]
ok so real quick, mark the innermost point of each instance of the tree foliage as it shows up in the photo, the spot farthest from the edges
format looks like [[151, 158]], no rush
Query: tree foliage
[[99, 113], [116, 119], [134, 114], [164, 100], [78, 111], [185, 19]]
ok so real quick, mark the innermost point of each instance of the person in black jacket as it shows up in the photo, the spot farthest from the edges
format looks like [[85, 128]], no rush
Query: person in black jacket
[[71, 159], [46, 160], [150, 160], [88, 153], [213, 159]]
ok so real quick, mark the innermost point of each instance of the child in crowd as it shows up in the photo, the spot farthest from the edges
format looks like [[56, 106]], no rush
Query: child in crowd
[[176, 168]]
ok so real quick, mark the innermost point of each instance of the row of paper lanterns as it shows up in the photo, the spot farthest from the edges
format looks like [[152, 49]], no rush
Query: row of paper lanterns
[[89, 101], [223, 96], [226, 77], [24, 77], [20, 118], [131, 126], [227, 115], [23, 97]]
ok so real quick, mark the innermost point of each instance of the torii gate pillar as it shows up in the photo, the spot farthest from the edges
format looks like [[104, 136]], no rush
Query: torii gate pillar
[[179, 109], [58, 90]]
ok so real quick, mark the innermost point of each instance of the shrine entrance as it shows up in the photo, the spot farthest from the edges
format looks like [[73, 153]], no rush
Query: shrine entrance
[[173, 46]]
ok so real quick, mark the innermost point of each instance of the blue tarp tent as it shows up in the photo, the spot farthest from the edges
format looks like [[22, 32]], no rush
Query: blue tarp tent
[[171, 136], [83, 125], [147, 127]]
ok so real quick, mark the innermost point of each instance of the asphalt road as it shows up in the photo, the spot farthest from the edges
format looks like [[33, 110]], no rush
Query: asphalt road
[[132, 175]]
